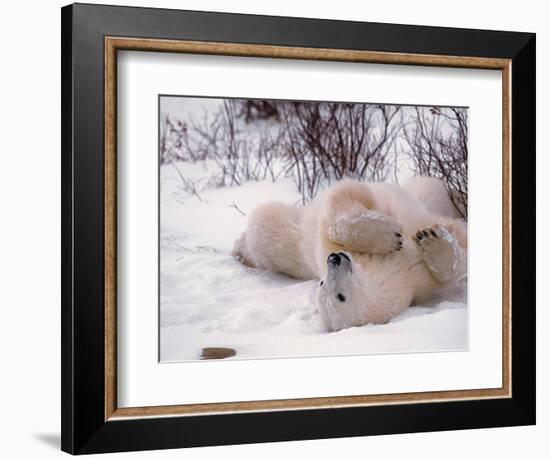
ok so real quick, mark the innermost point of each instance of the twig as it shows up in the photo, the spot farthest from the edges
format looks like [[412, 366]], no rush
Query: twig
[[188, 186], [171, 240], [234, 205], [206, 248]]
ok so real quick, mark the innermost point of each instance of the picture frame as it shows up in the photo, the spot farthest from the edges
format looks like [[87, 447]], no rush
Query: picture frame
[[92, 35]]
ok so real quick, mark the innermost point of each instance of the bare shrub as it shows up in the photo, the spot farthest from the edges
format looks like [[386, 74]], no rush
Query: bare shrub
[[252, 109], [182, 141], [317, 143], [438, 146], [173, 134], [241, 155], [330, 141]]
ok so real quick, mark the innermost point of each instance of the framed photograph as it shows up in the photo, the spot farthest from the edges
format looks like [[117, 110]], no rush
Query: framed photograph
[[282, 228]]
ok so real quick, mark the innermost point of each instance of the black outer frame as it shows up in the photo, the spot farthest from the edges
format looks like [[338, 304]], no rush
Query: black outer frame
[[83, 426]]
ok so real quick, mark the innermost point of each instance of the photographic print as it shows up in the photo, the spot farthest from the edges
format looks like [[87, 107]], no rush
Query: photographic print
[[292, 228], [268, 222]]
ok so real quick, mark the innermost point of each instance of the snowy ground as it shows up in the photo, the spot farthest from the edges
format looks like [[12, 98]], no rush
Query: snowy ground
[[208, 299]]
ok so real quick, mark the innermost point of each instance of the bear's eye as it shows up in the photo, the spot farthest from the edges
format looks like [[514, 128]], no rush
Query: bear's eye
[[341, 297], [322, 283]]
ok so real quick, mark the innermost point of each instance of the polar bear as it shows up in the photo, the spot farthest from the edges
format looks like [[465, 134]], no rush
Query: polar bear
[[376, 248]]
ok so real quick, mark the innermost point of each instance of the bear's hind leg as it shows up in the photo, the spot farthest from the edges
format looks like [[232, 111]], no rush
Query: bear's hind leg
[[442, 253], [351, 221], [366, 231]]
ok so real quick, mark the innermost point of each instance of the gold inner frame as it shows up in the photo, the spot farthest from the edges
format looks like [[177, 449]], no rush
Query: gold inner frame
[[112, 45]]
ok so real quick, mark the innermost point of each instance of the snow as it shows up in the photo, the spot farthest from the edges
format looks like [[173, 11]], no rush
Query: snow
[[209, 299]]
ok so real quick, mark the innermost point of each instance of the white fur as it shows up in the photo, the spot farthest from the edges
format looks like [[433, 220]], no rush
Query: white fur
[[405, 243]]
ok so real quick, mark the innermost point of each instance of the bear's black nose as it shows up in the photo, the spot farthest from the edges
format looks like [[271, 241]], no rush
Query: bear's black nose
[[334, 259], [345, 256]]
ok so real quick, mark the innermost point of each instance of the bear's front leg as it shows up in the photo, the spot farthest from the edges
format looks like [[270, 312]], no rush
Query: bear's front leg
[[442, 253], [366, 231]]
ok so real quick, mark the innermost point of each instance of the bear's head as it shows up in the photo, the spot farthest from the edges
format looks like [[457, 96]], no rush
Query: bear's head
[[336, 292], [348, 295]]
